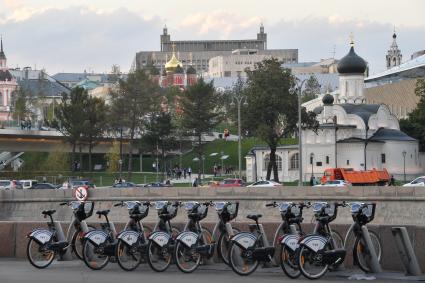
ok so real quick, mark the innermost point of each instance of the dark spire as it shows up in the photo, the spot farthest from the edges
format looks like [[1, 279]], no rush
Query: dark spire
[[2, 55]]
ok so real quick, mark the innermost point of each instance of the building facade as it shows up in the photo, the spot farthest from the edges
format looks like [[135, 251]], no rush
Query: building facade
[[197, 53], [351, 134], [8, 85]]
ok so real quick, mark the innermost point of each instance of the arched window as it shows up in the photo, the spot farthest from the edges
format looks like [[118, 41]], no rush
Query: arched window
[[294, 161], [266, 161], [1, 98]]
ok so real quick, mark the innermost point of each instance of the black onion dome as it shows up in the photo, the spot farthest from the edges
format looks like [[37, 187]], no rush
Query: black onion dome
[[328, 99], [352, 63], [190, 70]]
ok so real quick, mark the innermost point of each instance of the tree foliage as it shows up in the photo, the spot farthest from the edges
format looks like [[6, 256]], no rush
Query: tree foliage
[[21, 109], [311, 89], [113, 157], [272, 111], [200, 112], [134, 99], [414, 125]]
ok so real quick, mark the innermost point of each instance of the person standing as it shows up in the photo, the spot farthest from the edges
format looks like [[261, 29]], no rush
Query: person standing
[[189, 172]]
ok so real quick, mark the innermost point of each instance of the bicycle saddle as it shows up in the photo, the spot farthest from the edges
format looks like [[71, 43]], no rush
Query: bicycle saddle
[[48, 212], [102, 212], [254, 217]]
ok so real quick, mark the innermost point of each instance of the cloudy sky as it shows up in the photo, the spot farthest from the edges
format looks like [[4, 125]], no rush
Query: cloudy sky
[[78, 35]]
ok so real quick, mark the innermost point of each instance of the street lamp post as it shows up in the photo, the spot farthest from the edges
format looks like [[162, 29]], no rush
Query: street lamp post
[[300, 159], [404, 164], [239, 97], [311, 161]]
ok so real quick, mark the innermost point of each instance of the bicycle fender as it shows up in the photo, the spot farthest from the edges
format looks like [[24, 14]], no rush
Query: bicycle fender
[[188, 238], [41, 236], [96, 237], [129, 237], [291, 241], [314, 242], [244, 239], [160, 238]]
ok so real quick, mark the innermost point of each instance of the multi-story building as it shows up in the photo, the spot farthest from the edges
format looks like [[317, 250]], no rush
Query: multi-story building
[[197, 53]]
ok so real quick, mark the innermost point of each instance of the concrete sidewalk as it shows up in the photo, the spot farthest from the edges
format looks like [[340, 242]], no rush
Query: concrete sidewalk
[[18, 271]]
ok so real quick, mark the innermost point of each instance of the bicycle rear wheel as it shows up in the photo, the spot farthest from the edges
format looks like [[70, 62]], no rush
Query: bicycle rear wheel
[[128, 257], [310, 264], [159, 258], [187, 259], [241, 260], [77, 242], [94, 256], [38, 255]]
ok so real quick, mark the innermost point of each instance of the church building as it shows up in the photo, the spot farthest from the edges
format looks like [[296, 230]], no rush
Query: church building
[[8, 85], [351, 134]]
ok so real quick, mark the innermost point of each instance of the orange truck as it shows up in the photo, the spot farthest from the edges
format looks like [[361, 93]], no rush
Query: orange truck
[[358, 178]]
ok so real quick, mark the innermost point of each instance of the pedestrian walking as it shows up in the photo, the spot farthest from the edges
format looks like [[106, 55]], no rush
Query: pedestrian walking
[[184, 172], [189, 172]]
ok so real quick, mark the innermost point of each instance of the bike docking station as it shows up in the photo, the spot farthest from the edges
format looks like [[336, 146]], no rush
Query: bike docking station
[[407, 256]]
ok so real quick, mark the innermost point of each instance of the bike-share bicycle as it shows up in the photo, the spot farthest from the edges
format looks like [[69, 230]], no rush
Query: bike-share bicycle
[[248, 249], [101, 245], [321, 250], [223, 230], [362, 213], [192, 245], [292, 217], [162, 240], [44, 244]]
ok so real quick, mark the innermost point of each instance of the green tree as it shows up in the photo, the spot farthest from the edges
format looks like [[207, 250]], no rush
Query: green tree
[[70, 118], [21, 109], [272, 111], [200, 112], [95, 125], [414, 125], [57, 160], [133, 100], [311, 89], [159, 134], [113, 157]]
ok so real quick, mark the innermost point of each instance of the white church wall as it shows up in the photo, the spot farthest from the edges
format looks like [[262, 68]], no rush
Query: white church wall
[[395, 161]]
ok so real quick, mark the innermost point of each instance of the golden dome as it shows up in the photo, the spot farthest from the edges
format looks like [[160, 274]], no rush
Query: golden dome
[[173, 64]]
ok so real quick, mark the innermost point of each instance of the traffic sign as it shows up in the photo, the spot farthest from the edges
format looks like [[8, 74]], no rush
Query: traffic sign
[[81, 193]]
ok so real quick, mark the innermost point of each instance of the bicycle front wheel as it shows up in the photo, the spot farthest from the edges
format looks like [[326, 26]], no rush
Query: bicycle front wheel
[[159, 258], [289, 263], [362, 254], [241, 260], [310, 264], [224, 244], [38, 255], [94, 256], [187, 259], [128, 257]]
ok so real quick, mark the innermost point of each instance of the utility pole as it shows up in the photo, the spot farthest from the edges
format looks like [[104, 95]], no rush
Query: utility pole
[[300, 147]]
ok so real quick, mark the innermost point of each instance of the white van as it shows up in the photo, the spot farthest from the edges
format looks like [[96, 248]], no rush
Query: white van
[[27, 184]]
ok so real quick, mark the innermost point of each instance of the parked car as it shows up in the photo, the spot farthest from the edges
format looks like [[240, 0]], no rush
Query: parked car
[[125, 185], [155, 185], [265, 184], [27, 184], [232, 183], [334, 183], [43, 186], [418, 182], [78, 183], [10, 185]]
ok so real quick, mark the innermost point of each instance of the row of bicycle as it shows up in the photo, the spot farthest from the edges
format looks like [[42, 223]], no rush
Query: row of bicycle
[[296, 252]]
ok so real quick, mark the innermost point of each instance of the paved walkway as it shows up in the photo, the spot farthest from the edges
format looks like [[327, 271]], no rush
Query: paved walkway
[[18, 271]]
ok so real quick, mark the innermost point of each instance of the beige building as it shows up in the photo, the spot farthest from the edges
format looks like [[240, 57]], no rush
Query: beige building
[[234, 64]]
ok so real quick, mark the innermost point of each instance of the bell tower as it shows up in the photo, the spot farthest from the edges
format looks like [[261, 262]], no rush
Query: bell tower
[[3, 60], [394, 55]]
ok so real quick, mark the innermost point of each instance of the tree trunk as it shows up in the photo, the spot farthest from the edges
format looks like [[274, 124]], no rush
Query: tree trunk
[[272, 165], [199, 156], [130, 156], [90, 160], [81, 157], [163, 161], [73, 157]]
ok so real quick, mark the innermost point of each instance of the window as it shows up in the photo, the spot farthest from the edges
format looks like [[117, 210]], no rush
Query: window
[[294, 161], [348, 162], [319, 163], [383, 158], [327, 159], [278, 161]]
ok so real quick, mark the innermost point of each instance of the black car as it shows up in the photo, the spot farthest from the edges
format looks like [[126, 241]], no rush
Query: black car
[[155, 185], [124, 185], [42, 186]]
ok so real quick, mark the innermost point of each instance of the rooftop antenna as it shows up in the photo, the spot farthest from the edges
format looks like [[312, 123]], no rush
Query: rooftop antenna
[[333, 52]]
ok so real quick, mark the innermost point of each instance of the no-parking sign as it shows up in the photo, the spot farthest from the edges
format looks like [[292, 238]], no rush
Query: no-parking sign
[[81, 193]]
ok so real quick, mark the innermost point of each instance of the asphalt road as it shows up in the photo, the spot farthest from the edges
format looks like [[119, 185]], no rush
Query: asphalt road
[[20, 271]]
